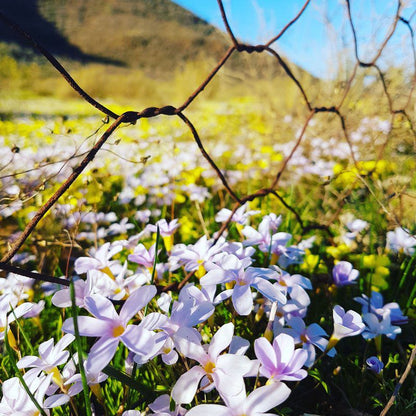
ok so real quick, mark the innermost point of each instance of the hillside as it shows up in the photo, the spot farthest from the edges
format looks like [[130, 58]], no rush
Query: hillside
[[127, 49], [154, 35]]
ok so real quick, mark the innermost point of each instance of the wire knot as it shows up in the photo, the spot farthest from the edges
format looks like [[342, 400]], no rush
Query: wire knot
[[242, 47]]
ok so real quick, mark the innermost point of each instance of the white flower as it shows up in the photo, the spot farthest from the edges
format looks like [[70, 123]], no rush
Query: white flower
[[401, 240], [224, 371]]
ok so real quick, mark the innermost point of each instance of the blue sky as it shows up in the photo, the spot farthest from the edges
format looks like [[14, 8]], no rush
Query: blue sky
[[321, 38]]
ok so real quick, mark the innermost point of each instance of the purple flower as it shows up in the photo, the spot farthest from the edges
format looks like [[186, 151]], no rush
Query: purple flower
[[357, 225], [166, 229], [161, 406], [344, 274], [16, 401], [346, 324], [143, 256], [6, 314], [195, 256], [375, 305], [374, 364], [379, 325], [308, 336], [50, 356], [280, 361], [184, 314]]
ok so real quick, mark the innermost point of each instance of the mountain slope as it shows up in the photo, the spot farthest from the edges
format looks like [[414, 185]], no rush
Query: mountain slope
[[154, 35]]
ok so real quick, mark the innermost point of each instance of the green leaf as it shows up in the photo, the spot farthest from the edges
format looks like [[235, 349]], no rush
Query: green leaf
[[80, 351]]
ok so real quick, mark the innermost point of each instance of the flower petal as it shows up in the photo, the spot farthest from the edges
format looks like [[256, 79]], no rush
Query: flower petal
[[100, 307], [101, 354], [267, 397], [236, 365], [137, 339], [242, 299], [228, 385], [185, 388], [199, 314], [284, 345], [64, 342], [136, 301], [221, 340], [188, 343], [269, 290], [83, 264], [214, 277], [46, 347], [210, 409], [88, 326], [56, 400], [29, 361], [266, 355]]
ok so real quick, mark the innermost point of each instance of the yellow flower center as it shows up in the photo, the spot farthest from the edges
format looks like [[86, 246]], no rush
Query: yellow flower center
[[230, 285], [108, 272], [118, 330], [96, 389], [168, 240], [209, 367], [270, 381], [56, 377], [274, 259], [201, 269]]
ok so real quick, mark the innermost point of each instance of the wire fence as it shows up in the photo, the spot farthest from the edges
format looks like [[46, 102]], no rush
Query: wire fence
[[236, 47]]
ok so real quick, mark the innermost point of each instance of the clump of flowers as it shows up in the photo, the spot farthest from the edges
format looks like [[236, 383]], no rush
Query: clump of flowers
[[127, 314]]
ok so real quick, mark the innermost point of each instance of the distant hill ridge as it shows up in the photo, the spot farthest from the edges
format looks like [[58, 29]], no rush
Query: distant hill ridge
[[153, 35]]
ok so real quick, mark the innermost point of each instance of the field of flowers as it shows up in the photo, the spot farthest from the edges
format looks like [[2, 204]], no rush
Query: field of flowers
[[304, 303]]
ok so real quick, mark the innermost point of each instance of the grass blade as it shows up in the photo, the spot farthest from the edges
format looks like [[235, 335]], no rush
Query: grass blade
[[80, 351], [18, 373]]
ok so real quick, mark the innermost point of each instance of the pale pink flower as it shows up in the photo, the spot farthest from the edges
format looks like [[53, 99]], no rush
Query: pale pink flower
[[232, 270], [112, 327], [143, 256], [165, 229], [50, 356], [280, 360], [224, 371], [257, 403], [16, 401], [240, 216], [100, 260]]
